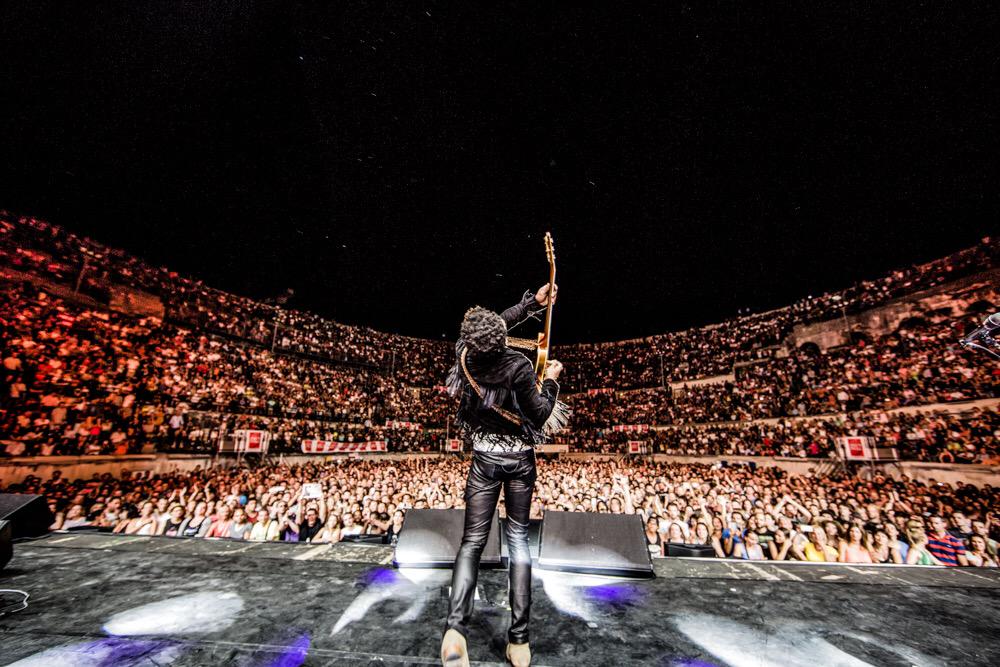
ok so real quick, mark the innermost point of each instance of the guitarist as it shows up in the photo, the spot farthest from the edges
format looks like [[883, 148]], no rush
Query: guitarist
[[502, 415]]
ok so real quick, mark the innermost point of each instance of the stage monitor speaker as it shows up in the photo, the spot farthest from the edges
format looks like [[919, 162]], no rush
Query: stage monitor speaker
[[430, 538], [690, 550], [29, 515], [592, 543], [6, 548]]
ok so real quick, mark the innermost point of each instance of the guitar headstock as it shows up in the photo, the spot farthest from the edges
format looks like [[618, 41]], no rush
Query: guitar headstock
[[549, 248]]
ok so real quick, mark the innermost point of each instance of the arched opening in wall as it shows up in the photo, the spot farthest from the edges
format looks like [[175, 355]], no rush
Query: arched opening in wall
[[941, 313], [810, 349], [915, 322], [861, 337], [983, 306]]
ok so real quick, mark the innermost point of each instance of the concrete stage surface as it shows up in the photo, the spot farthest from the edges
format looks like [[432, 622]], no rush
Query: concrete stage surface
[[104, 600]]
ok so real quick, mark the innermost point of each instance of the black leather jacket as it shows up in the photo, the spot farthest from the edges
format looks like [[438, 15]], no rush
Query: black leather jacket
[[508, 379]]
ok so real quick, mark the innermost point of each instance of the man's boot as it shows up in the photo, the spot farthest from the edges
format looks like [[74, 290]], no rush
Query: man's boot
[[454, 652], [519, 655]]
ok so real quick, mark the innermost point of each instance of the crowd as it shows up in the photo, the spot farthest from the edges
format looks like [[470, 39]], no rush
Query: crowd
[[85, 380], [82, 381], [741, 512], [972, 436], [40, 248], [715, 349], [915, 366]]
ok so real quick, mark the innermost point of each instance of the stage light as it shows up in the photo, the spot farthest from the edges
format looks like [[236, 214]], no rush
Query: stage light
[[581, 595], [195, 613], [616, 594], [290, 655], [109, 651], [415, 585], [740, 645]]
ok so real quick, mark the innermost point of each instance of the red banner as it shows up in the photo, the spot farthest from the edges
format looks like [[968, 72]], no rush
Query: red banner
[[452, 445], [249, 440], [334, 447], [638, 447], [255, 441], [856, 447]]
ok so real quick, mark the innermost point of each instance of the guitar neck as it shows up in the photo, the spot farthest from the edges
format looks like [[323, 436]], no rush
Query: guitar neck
[[548, 311]]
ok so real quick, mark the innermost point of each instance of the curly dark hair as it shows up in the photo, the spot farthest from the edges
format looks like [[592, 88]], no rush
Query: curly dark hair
[[483, 331]]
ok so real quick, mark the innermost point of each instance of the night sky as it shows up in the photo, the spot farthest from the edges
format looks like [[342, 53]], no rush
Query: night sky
[[395, 163]]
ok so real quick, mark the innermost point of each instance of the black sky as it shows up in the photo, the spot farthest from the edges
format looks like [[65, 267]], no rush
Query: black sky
[[397, 162]]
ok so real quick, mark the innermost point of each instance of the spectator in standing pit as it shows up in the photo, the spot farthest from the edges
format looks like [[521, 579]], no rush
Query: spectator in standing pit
[[288, 527], [898, 545], [350, 527], [222, 525], [977, 555], [654, 540], [143, 524], [961, 526], [982, 528], [75, 517], [198, 524], [816, 549], [312, 525], [808, 511], [265, 529], [749, 548], [851, 549], [882, 549], [918, 553], [171, 526], [331, 532], [945, 547], [395, 525], [240, 527]]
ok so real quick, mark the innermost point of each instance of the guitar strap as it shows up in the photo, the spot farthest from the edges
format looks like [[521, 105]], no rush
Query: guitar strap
[[506, 414]]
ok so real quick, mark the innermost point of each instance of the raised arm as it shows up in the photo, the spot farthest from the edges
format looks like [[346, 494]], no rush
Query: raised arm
[[521, 311], [800, 508], [782, 553], [776, 510], [657, 505], [293, 524], [798, 550], [629, 505], [322, 508]]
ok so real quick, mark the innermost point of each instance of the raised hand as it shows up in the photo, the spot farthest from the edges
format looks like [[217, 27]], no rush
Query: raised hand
[[542, 295]]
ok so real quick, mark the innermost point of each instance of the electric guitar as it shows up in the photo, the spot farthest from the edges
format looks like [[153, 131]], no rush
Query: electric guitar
[[545, 337]]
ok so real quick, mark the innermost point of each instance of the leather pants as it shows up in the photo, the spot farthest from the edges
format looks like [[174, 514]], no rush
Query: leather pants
[[516, 473]]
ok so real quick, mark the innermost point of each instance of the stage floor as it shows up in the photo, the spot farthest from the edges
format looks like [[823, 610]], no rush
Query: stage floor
[[111, 600]]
